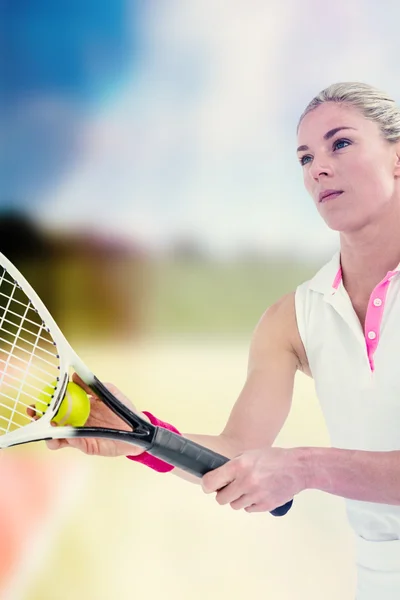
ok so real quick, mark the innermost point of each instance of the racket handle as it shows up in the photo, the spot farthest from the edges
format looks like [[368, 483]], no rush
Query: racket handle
[[193, 458], [185, 454]]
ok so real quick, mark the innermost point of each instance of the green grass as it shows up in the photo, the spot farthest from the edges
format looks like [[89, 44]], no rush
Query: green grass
[[196, 296]]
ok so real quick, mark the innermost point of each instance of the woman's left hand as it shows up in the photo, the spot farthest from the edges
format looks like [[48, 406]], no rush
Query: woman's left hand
[[260, 480]]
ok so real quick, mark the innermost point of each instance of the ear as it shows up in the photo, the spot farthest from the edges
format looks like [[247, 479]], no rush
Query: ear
[[397, 160]]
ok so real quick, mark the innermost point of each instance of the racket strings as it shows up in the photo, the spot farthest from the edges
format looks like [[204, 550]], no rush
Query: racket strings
[[34, 378], [29, 360], [33, 345]]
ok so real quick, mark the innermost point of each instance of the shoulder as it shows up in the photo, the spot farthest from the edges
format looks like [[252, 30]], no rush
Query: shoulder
[[277, 332], [279, 316]]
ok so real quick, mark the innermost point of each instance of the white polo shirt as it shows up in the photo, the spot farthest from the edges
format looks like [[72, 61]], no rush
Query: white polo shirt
[[357, 380]]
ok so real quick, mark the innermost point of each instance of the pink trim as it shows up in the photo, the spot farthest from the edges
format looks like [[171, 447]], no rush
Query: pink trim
[[338, 279], [375, 309], [373, 318], [148, 459]]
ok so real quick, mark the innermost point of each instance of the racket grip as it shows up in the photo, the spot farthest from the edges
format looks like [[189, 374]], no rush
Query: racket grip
[[193, 458], [185, 454]]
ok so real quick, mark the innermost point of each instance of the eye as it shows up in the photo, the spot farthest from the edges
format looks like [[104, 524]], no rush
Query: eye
[[335, 145], [304, 160]]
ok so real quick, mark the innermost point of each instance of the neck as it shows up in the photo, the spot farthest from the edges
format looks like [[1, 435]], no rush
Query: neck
[[368, 254]]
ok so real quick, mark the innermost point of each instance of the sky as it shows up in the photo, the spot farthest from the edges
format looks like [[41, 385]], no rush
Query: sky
[[196, 139]]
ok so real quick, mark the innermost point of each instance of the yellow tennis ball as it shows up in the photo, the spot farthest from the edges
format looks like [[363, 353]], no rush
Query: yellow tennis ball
[[75, 408]]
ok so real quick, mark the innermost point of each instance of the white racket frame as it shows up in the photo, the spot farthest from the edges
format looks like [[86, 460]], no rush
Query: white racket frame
[[42, 428]]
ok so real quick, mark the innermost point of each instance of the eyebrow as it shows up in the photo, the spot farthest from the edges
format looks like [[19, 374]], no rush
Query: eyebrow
[[329, 134]]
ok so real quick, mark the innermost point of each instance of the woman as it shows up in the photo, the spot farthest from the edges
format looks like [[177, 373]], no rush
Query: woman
[[342, 328]]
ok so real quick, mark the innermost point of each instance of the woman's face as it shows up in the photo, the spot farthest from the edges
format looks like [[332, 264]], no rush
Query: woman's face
[[339, 149]]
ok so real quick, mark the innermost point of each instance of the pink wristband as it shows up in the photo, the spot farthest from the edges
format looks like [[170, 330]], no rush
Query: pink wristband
[[148, 459]]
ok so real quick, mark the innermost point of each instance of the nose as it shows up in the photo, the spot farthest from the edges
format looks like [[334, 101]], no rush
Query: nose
[[317, 171], [320, 167]]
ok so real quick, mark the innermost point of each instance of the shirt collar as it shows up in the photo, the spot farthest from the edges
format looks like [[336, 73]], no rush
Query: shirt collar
[[328, 279], [329, 276]]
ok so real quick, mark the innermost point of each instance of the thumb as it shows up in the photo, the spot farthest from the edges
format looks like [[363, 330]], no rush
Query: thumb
[[76, 379]]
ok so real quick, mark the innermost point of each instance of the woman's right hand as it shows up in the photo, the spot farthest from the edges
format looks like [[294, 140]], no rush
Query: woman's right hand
[[101, 416]]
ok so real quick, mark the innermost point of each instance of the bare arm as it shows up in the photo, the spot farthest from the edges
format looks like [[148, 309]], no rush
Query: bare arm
[[265, 400], [356, 474], [259, 412]]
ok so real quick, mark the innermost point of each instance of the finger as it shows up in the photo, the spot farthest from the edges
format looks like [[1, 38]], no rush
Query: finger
[[31, 412], [93, 398], [79, 381], [244, 501], [56, 444], [254, 508], [218, 478], [230, 493]]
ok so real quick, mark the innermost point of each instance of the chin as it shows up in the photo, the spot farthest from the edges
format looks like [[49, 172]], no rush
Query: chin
[[342, 221], [345, 225]]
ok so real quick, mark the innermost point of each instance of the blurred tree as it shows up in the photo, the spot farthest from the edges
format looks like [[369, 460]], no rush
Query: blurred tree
[[24, 243], [93, 287]]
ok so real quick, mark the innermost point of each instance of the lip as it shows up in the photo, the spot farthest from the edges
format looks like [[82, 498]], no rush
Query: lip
[[328, 193]]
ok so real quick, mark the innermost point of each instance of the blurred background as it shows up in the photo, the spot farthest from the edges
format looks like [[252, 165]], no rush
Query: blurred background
[[150, 192]]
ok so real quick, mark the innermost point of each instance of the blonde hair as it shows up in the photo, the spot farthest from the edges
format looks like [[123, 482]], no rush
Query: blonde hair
[[374, 104]]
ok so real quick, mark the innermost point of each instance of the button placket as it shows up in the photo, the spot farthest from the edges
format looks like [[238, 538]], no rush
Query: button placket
[[374, 318]]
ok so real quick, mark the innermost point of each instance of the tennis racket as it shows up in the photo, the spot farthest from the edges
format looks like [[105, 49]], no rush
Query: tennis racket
[[34, 355]]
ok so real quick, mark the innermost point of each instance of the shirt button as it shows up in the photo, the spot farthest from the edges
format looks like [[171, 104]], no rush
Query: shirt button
[[377, 302], [371, 335]]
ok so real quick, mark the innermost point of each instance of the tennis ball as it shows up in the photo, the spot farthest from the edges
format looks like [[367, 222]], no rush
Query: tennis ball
[[74, 409]]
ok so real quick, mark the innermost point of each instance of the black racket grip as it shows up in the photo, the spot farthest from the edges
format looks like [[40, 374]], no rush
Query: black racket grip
[[193, 458]]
